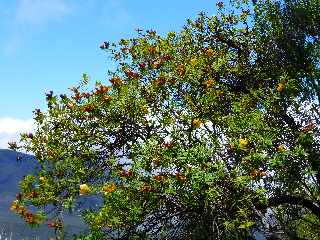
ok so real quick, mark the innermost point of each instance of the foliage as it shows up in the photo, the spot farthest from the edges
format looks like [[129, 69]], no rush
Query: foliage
[[198, 134]]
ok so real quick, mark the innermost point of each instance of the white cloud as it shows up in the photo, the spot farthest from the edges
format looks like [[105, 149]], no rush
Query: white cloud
[[10, 129], [12, 125]]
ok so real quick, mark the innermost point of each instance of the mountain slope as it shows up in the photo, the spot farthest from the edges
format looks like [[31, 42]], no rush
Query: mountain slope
[[11, 172]]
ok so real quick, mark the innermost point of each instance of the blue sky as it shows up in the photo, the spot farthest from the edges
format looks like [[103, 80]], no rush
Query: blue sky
[[48, 44]]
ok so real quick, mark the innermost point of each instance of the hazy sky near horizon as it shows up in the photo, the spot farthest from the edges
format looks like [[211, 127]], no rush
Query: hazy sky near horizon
[[48, 44]]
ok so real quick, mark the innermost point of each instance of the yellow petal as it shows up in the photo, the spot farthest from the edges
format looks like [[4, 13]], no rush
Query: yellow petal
[[84, 189], [280, 87], [243, 142], [196, 122]]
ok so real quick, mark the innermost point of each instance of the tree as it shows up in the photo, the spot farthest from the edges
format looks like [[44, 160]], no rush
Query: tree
[[199, 133]]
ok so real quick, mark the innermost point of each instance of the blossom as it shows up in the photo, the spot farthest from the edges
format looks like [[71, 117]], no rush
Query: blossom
[[125, 173], [209, 52], [84, 189], [14, 205], [109, 188], [281, 148], [254, 173], [263, 173], [146, 188], [159, 178], [42, 179], [102, 89], [70, 105], [104, 45], [180, 177], [144, 109], [193, 62], [161, 80], [220, 5], [280, 87], [243, 142], [116, 81], [257, 173], [196, 122], [156, 64], [181, 70], [209, 83]]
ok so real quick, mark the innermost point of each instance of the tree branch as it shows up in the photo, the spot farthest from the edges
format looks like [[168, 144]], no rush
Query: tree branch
[[291, 200]]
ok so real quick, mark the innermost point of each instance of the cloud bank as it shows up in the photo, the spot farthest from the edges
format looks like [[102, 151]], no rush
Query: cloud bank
[[10, 129]]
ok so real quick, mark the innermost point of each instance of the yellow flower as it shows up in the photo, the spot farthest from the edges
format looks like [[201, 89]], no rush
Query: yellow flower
[[196, 122], [14, 205], [243, 142], [109, 188], [280, 87], [209, 52], [42, 179], [84, 189], [70, 105], [144, 109], [181, 70], [193, 62], [209, 83], [281, 148], [21, 210]]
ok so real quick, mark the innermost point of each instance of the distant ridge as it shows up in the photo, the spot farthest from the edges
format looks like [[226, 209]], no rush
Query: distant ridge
[[11, 172]]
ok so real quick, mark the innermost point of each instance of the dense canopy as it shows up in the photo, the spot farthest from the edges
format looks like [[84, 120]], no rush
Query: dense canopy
[[199, 135]]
